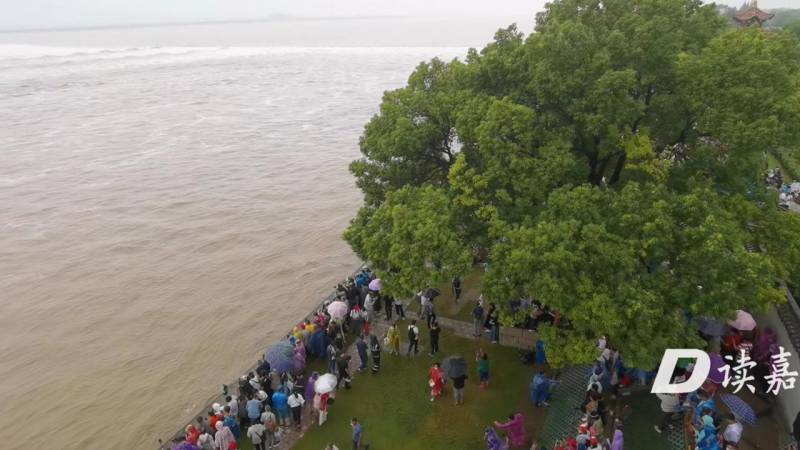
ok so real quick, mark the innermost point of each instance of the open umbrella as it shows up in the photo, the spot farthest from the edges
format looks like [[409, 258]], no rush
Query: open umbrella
[[375, 285], [740, 409], [795, 187], [281, 357], [338, 310], [431, 293], [325, 383], [744, 321], [711, 327], [454, 366]]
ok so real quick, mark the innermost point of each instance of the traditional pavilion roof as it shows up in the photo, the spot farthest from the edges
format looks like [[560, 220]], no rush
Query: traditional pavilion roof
[[751, 14]]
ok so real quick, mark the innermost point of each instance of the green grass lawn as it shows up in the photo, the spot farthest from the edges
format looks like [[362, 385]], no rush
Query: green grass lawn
[[642, 413], [471, 289], [395, 410]]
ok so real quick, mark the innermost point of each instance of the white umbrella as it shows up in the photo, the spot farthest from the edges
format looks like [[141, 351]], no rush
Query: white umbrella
[[795, 187], [326, 383]]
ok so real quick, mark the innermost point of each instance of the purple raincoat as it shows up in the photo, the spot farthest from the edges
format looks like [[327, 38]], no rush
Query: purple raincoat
[[515, 429], [619, 440], [493, 441], [310, 392]]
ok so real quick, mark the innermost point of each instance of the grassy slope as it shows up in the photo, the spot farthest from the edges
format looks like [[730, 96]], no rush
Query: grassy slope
[[395, 410]]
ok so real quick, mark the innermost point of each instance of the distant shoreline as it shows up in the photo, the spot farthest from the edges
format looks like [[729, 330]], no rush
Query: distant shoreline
[[268, 19]]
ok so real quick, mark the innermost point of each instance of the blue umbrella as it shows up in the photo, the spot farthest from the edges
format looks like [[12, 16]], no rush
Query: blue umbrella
[[740, 409], [711, 327], [281, 357]]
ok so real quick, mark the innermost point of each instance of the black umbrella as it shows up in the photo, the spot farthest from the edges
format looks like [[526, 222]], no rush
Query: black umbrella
[[454, 366], [431, 293]]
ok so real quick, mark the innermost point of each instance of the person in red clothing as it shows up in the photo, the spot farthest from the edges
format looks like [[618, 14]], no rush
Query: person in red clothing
[[192, 434], [212, 420], [436, 383]]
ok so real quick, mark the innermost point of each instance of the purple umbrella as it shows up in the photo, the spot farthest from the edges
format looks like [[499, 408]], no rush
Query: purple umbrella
[[338, 310], [281, 357], [375, 285], [711, 327], [740, 409]]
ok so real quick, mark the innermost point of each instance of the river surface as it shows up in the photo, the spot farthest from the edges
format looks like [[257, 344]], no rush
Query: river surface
[[168, 211]]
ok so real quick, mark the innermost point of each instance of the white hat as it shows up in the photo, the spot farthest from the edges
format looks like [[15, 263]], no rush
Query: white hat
[[216, 407]]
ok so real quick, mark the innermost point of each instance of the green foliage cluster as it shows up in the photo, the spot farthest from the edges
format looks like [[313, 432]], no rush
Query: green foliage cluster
[[790, 161], [609, 165]]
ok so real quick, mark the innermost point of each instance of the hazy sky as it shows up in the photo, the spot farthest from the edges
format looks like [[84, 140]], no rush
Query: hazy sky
[[18, 14]]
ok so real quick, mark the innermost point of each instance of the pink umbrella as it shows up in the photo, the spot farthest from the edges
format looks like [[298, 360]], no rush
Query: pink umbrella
[[744, 321], [338, 310], [375, 285]]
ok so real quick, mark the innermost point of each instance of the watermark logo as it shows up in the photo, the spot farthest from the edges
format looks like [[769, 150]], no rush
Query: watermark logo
[[736, 374]]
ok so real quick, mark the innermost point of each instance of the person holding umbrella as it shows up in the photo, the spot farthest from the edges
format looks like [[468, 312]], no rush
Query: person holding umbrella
[[455, 368]]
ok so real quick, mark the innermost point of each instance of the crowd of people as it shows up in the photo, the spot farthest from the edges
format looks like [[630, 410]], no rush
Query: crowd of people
[[788, 193], [271, 402]]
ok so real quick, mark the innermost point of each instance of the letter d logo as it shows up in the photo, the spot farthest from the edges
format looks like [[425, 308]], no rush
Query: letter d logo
[[702, 366]]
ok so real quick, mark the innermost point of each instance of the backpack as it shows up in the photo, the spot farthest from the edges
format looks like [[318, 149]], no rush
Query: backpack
[[412, 336]]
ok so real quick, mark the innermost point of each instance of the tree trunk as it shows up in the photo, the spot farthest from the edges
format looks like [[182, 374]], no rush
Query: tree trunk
[[618, 168]]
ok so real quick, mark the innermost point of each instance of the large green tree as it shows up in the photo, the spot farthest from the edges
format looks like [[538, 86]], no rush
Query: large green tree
[[608, 164]]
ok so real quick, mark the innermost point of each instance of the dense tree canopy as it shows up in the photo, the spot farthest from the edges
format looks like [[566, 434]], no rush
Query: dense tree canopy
[[609, 165]]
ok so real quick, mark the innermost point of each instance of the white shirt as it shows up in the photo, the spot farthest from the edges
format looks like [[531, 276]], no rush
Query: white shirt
[[295, 400], [733, 432], [416, 330], [669, 402], [234, 407], [255, 432]]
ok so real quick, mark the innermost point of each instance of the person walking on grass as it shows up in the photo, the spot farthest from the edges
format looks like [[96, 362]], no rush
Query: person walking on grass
[[456, 288], [434, 332], [375, 349], [357, 433], [333, 354], [458, 389], [361, 347], [477, 318], [393, 337], [296, 402], [670, 404], [413, 337], [483, 368], [436, 381], [430, 313]]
